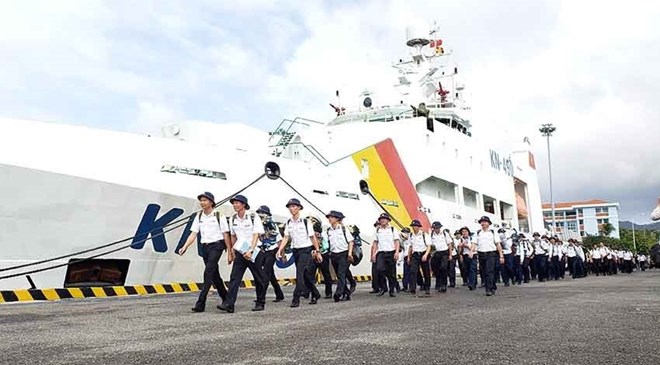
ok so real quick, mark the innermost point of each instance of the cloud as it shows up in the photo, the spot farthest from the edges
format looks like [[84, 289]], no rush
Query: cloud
[[589, 67]]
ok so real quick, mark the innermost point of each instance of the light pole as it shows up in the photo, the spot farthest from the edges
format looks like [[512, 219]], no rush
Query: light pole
[[546, 130]]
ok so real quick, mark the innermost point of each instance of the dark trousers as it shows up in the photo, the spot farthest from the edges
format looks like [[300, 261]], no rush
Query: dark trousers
[[554, 268], [508, 274], [471, 268], [451, 270], [571, 260], [533, 268], [340, 264], [487, 262], [375, 277], [597, 267], [349, 278], [628, 266], [305, 271], [439, 264], [238, 270], [526, 266], [517, 269], [266, 259], [541, 266], [325, 272], [406, 282], [415, 264], [578, 268], [562, 267], [462, 269], [212, 254], [386, 270]]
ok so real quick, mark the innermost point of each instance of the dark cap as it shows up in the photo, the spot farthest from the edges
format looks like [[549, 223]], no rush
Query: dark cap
[[294, 201], [264, 210], [206, 195], [485, 219], [415, 223], [384, 216], [436, 225], [242, 199], [336, 214]]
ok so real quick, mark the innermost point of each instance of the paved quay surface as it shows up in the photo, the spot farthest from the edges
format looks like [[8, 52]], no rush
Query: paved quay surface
[[604, 320]]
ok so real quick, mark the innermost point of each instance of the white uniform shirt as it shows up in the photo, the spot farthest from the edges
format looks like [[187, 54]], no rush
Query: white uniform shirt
[[507, 244], [619, 254], [580, 252], [641, 258], [556, 250], [541, 247], [209, 228], [595, 254], [419, 242], [570, 251], [486, 241], [244, 229], [386, 237], [441, 240], [467, 242], [300, 232], [627, 256], [337, 239]]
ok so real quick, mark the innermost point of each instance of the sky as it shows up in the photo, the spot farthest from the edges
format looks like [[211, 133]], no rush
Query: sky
[[588, 67]]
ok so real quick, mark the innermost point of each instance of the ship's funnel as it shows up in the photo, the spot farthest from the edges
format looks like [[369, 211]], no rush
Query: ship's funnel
[[364, 187], [272, 170]]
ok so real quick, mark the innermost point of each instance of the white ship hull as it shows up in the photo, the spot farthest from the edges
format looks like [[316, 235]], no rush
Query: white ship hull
[[65, 189]]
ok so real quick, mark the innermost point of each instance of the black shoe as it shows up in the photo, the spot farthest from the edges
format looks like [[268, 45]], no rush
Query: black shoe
[[295, 303], [506, 284], [197, 309], [490, 293], [412, 292], [277, 300], [464, 284], [428, 292], [381, 293], [345, 298], [452, 285], [258, 308], [328, 296], [471, 287], [337, 298], [352, 288], [226, 308], [443, 289], [315, 299], [392, 295], [404, 290], [374, 291]]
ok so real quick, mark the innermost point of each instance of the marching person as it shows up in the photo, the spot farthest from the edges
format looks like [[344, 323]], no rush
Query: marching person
[[641, 258], [386, 247], [571, 253], [627, 261], [527, 257], [508, 274], [489, 248], [541, 250], [578, 262], [418, 256], [324, 265], [461, 264], [245, 228], [375, 278], [305, 249], [469, 252], [452, 259], [270, 241], [341, 253], [443, 244], [214, 234], [407, 282]]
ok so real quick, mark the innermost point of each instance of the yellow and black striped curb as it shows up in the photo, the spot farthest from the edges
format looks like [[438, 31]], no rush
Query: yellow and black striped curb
[[29, 295]]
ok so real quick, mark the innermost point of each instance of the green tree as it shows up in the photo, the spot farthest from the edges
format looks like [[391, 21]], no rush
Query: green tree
[[611, 242], [644, 239], [607, 229]]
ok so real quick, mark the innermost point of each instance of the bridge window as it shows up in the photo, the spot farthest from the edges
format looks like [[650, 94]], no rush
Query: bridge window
[[470, 198], [193, 171]]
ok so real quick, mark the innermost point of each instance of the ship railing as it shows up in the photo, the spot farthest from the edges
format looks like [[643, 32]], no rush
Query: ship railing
[[291, 126]]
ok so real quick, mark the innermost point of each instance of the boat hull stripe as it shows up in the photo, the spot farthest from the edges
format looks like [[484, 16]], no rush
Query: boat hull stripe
[[32, 295], [402, 183]]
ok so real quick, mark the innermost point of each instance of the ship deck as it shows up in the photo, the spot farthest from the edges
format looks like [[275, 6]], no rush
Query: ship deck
[[592, 320]]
